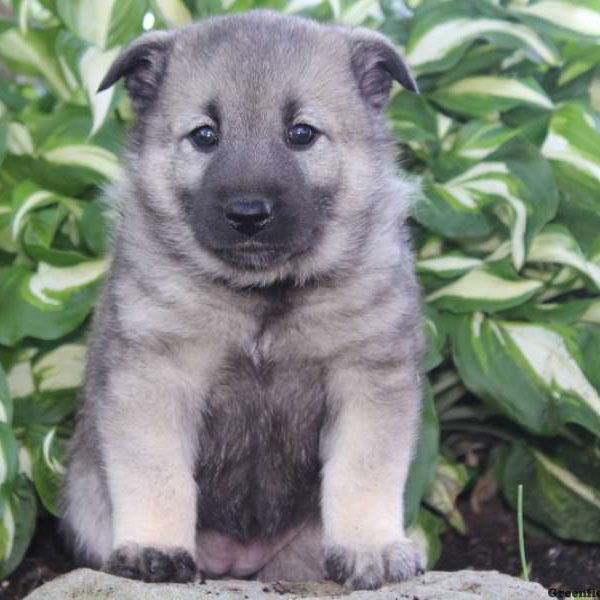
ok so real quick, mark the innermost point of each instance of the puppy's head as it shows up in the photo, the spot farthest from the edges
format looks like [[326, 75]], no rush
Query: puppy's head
[[260, 146]]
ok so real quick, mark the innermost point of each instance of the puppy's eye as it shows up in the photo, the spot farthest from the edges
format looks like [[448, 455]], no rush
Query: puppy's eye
[[204, 137], [301, 134]]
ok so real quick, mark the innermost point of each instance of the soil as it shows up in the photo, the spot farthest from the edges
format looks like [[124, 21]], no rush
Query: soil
[[491, 543]]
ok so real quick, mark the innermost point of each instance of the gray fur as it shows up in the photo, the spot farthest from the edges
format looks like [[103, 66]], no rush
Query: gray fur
[[252, 403]]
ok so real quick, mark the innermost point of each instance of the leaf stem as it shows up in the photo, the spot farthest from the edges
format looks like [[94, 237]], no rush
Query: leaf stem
[[524, 567]]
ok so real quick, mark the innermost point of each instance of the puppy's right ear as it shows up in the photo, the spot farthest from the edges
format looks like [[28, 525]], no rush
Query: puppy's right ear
[[142, 64]]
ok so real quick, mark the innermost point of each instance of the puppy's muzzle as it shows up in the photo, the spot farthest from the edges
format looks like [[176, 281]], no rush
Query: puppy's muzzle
[[249, 216]]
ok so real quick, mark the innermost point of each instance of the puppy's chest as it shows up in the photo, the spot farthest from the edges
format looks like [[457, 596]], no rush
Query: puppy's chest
[[258, 467]]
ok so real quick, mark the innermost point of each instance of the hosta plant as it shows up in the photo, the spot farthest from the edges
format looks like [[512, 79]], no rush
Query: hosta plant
[[504, 142]]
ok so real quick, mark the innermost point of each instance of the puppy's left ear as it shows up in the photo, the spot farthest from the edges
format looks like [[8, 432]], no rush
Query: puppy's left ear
[[375, 63]]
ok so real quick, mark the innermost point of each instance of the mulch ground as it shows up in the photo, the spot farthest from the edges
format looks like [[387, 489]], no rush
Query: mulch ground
[[491, 543]]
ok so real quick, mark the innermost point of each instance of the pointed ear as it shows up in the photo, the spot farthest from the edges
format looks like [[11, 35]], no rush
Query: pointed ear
[[142, 64], [375, 63]]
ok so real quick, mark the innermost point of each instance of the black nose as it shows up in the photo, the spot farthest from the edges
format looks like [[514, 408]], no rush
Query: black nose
[[249, 217]]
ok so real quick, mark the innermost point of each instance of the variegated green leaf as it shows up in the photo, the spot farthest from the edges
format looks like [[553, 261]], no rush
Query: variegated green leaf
[[69, 48], [41, 219], [575, 19], [484, 288], [87, 156], [478, 96], [592, 312], [93, 65], [436, 339], [449, 213], [477, 140], [450, 480], [9, 462], [173, 12], [48, 470], [19, 140], [486, 181], [412, 117], [51, 286], [28, 198], [60, 369], [516, 192], [550, 355], [33, 416], [448, 265], [531, 372], [360, 11], [20, 375], [18, 511], [569, 312], [6, 407], [32, 52], [579, 59], [49, 303], [555, 244], [66, 160], [442, 31], [103, 23], [572, 144], [422, 466], [3, 135], [561, 491]]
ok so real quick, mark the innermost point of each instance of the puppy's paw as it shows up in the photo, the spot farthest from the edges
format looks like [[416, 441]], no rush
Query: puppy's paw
[[152, 564], [370, 569], [403, 560]]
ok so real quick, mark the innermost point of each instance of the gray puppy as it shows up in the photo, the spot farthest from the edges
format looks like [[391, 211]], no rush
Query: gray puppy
[[252, 391]]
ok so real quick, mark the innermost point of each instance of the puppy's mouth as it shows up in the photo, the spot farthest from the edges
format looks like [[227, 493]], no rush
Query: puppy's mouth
[[256, 246], [254, 255]]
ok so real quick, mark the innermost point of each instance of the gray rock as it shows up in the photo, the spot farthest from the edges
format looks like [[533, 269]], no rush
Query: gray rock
[[85, 584]]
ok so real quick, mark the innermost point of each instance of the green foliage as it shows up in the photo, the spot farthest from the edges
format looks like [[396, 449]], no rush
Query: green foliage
[[505, 141]]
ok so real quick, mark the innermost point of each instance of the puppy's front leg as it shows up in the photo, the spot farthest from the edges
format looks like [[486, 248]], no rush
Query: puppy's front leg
[[147, 440], [366, 454]]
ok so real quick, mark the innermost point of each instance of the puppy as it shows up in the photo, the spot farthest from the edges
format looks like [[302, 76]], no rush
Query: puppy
[[252, 390]]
